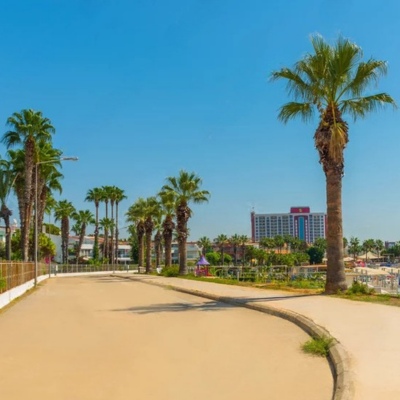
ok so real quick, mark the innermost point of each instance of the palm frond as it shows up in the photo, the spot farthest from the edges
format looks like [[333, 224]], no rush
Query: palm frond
[[293, 109], [359, 107]]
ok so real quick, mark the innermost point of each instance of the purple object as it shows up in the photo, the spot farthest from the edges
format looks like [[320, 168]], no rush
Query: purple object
[[202, 261]]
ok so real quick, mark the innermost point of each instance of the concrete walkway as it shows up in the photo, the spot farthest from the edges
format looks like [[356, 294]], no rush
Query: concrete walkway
[[369, 333], [105, 338]]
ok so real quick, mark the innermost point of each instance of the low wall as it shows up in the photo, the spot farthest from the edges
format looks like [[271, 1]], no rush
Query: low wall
[[14, 293]]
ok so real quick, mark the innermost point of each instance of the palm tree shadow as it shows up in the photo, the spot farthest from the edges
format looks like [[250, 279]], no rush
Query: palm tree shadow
[[176, 307]]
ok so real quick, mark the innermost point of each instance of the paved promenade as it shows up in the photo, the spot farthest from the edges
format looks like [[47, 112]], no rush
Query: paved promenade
[[106, 338], [368, 332]]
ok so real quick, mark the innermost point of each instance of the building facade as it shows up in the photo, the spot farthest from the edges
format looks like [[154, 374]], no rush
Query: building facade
[[299, 223]]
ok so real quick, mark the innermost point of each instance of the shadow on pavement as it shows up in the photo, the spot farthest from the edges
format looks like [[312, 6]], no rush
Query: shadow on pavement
[[176, 307]]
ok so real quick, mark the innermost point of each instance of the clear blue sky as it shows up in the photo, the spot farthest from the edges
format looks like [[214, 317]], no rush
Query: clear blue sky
[[139, 89]]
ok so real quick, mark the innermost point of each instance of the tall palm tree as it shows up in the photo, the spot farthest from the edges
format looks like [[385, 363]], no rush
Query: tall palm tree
[[7, 180], [118, 197], [136, 215], [234, 241], [243, 242], [185, 189], [152, 212], [105, 198], [279, 242], [379, 246], [106, 224], [83, 218], [354, 247], [28, 127], [368, 245], [95, 196], [221, 241], [168, 202], [205, 243], [63, 212], [333, 81]]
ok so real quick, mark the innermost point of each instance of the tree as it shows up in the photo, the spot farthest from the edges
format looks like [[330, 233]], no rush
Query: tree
[[119, 195], [106, 224], [279, 242], [379, 247], [151, 212], [267, 243], [136, 214], [83, 218], [28, 128], [186, 188], [205, 243], [368, 245], [332, 81], [168, 201], [221, 241], [62, 212], [95, 196], [316, 254], [234, 241], [354, 247], [243, 242], [7, 179], [321, 244]]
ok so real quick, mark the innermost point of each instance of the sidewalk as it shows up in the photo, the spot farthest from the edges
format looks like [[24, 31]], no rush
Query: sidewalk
[[368, 333]]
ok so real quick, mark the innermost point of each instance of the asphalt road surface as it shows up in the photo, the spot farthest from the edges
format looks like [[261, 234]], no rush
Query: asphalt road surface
[[103, 338]]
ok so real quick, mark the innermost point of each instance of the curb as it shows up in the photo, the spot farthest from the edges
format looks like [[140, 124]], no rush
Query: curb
[[338, 357]]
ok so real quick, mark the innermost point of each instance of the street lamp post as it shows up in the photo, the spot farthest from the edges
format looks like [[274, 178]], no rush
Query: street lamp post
[[36, 207]]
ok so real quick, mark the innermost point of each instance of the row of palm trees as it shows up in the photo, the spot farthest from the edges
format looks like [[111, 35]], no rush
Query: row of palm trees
[[166, 213]]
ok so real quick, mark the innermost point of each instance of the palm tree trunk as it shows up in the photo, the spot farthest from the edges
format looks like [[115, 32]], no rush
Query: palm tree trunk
[[157, 246], [116, 233], [149, 231], [335, 278], [96, 234], [112, 235], [140, 234], [182, 215], [168, 228]]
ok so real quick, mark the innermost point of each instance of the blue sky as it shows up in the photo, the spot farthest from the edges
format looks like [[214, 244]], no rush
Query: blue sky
[[139, 89]]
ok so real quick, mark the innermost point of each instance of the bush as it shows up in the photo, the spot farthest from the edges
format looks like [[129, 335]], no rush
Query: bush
[[171, 271], [359, 288]]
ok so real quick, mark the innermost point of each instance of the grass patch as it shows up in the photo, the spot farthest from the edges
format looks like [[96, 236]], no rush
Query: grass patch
[[318, 346]]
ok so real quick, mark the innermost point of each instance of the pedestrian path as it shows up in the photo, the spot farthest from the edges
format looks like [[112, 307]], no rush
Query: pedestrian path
[[368, 333]]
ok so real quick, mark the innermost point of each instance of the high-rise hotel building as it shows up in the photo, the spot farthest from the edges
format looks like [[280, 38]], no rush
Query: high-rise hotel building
[[299, 223]]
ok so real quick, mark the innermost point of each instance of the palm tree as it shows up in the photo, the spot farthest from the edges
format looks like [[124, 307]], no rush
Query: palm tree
[[185, 189], [168, 202], [332, 80], [106, 224], [152, 212], [28, 127], [95, 196], [279, 242], [368, 245], [379, 246], [234, 241], [136, 215], [205, 243], [105, 197], [221, 241], [83, 218], [267, 243], [7, 179], [354, 247], [243, 242], [62, 212], [119, 195]]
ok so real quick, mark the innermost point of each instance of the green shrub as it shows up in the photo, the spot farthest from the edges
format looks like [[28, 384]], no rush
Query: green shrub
[[3, 283], [171, 271], [359, 288], [318, 346]]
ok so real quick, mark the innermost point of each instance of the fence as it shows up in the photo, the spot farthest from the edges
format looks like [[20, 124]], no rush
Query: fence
[[13, 274]]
